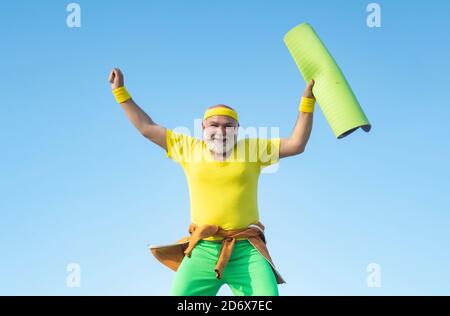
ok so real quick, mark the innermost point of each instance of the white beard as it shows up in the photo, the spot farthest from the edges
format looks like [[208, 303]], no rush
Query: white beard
[[217, 144]]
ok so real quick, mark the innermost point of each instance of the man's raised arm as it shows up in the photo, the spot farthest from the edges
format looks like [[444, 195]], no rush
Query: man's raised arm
[[143, 123], [296, 143]]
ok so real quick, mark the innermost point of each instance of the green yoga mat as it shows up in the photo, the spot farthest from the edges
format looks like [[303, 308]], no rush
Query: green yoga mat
[[332, 91]]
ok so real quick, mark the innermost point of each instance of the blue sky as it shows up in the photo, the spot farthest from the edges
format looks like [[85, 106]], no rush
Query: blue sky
[[79, 184]]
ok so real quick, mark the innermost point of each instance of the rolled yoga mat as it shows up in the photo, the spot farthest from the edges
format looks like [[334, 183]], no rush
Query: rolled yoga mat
[[332, 91]]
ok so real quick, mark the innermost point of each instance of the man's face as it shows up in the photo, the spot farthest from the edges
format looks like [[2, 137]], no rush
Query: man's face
[[220, 133]]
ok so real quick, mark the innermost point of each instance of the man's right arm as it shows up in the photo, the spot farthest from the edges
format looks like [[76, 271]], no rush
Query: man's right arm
[[143, 123]]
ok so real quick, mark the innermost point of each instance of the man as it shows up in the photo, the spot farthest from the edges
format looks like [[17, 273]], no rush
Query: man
[[227, 244]]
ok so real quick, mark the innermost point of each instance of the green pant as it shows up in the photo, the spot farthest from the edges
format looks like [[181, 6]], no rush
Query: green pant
[[247, 272]]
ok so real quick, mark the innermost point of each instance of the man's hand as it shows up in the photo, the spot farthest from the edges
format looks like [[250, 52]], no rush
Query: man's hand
[[116, 78], [308, 90]]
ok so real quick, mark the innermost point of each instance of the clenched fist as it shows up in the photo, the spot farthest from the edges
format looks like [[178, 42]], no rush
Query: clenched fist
[[116, 78], [308, 90]]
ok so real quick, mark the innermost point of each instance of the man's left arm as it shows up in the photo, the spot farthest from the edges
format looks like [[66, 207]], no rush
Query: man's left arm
[[296, 143]]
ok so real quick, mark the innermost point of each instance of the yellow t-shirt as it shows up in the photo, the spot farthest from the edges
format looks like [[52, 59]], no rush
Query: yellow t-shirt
[[223, 193]]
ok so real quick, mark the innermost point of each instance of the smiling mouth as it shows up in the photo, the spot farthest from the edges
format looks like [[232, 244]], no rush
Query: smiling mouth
[[219, 139]]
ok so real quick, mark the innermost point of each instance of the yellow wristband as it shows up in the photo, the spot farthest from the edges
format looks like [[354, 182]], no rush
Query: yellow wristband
[[121, 94], [307, 105]]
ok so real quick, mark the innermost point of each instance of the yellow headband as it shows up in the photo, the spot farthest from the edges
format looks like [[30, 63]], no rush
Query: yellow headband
[[221, 111]]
